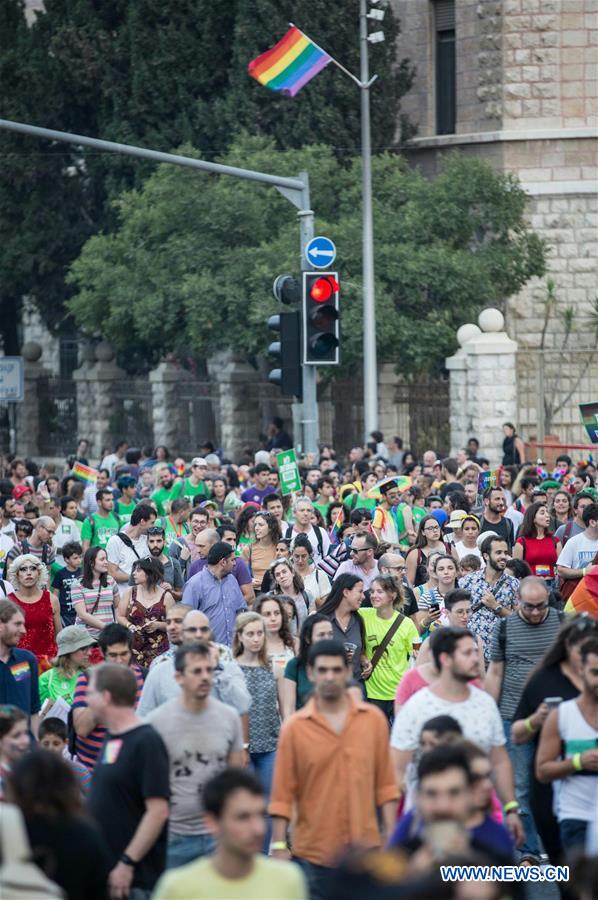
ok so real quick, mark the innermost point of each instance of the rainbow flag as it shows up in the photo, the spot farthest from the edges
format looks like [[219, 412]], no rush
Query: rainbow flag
[[403, 482], [333, 533], [85, 473], [290, 64], [488, 479]]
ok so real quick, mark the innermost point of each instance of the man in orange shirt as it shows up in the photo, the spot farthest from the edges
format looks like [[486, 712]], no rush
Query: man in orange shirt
[[333, 768]]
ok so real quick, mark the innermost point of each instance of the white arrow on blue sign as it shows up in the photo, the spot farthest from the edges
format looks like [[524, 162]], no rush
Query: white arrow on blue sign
[[320, 252]]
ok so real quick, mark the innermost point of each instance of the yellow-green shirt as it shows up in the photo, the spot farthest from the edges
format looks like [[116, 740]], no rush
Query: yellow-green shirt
[[271, 879], [382, 683]]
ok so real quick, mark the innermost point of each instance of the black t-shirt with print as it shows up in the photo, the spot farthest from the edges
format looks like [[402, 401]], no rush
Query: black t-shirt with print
[[131, 768]]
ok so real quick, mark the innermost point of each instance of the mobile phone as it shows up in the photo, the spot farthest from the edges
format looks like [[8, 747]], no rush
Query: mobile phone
[[553, 702], [434, 607]]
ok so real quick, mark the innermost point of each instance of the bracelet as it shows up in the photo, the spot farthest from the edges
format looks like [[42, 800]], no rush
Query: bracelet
[[529, 725], [511, 806], [126, 859], [278, 845], [577, 763]]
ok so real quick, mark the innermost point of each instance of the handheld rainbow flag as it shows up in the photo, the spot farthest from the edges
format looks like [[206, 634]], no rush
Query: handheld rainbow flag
[[290, 64], [488, 479], [85, 473], [333, 533], [403, 482]]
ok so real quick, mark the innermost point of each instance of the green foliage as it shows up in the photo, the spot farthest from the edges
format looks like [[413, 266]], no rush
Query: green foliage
[[191, 266], [158, 73]]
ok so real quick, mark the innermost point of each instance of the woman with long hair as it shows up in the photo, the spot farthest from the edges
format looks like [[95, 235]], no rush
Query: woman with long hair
[[29, 578], [251, 653], [341, 608], [561, 510], [281, 646], [286, 580], [296, 686], [219, 491], [245, 533], [513, 448], [95, 596], [259, 554], [14, 740], [384, 616], [72, 658], [556, 677], [64, 843], [315, 582], [428, 540], [143, 609], [536, 543], [470, 531]]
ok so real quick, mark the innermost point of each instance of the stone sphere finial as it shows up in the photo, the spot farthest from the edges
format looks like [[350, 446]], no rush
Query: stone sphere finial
[[31, 351], [104, 352], [466, 332], [491, 320]]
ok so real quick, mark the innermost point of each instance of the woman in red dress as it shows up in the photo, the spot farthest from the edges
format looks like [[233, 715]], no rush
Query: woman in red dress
[[143, 611], [41, 609], [536, 543]]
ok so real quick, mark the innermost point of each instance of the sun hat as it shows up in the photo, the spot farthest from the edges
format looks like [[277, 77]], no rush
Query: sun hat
[[456, 518], [73, 637]]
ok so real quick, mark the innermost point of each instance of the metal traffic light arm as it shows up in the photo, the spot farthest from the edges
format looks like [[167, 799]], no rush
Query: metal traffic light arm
[[296, 190]]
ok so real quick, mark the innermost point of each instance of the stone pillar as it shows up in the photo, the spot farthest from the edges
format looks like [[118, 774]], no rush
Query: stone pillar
[[491, 397], [95, 402], [168, 412], [459, 417], [30, 413], [237, 386]]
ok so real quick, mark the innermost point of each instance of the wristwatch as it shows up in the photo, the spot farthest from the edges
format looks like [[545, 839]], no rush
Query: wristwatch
[[126, 859], [245, 746]]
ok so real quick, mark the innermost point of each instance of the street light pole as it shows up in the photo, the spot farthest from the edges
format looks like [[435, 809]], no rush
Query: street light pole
[[370, 369]]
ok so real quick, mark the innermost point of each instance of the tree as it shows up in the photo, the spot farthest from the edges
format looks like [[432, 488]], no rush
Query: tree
[[191, 265], [159, 73]]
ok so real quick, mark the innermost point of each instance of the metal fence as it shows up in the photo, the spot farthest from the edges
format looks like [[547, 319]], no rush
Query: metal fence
[[131, 415], [550, 386], [197, 415], [57, 399]]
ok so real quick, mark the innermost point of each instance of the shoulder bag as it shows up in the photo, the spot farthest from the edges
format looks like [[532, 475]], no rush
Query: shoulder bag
[[380, 649]]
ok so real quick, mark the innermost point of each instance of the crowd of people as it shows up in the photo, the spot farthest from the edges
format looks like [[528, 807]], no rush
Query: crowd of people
[[210, 689]]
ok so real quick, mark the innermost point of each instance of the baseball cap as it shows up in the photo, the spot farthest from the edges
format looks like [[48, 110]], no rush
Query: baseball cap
[[20, 490], [199, 461], [219, 551]]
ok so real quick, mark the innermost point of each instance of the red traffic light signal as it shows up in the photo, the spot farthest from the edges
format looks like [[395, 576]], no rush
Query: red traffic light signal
[[323, 288]]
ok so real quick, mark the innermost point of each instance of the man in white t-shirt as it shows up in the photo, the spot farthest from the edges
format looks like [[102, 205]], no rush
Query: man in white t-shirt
[[130, 544], [579, 551], [318, 537], [456, 655]]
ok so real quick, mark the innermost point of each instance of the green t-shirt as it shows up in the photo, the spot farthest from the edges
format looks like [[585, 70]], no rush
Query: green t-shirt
[[418, 513], [125, 510], [172, 531], [54, 684], [163, 496], [382, 684], [360, 503], [323, 507], [190, 491], [102, 530], [270, 879], [299, 675]]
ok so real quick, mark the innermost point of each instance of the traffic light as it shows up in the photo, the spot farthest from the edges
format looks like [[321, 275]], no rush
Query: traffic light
[[288, 351], [321, 343], [287, 290]]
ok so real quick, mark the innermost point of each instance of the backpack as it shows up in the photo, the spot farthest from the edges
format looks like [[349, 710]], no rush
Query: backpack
[[567, 532], [289, 535]]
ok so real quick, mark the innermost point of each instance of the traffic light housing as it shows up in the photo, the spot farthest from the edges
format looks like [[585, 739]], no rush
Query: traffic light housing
[[288, 352], [321, 333]]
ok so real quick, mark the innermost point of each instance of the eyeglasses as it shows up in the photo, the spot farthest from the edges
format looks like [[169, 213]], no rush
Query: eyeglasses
[[355, 550], [49, 530], [432, 528], [585, 623], [535, 607], [395, 568], [480, 776], [199, 629], [151, 532]]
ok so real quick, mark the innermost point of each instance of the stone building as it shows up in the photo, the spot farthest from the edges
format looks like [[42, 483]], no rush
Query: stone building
[[515, 82]]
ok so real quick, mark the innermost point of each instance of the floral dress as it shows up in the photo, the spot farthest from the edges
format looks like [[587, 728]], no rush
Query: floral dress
[[146, 644]]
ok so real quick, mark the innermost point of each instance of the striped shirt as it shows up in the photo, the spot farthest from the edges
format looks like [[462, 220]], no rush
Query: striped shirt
[[88, 748], [520, 647], [108, 600]]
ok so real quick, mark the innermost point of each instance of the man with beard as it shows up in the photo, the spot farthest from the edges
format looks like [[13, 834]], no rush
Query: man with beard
[[166, 492], [173, 575], [493, 592], [494, 518], [456, 657], [312, 780]]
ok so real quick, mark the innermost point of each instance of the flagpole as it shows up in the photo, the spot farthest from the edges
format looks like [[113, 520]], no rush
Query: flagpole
[[332, 59]]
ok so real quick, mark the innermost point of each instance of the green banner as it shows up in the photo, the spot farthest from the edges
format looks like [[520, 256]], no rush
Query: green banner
[[288, 472]]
